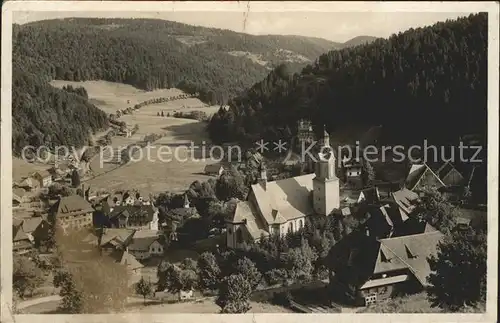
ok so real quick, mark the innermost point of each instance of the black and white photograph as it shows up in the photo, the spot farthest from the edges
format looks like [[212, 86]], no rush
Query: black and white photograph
[[226, 157]]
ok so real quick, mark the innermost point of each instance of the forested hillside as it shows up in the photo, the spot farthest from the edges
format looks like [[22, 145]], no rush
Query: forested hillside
[[146, 53], [152, 54], [423, 83]]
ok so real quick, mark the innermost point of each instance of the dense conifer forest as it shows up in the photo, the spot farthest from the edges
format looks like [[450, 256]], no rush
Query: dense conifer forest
[[423, 83], [145, 53]]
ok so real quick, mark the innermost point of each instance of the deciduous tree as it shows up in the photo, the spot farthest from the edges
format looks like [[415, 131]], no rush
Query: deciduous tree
[[234, 295], [209, 271], [144, 288]]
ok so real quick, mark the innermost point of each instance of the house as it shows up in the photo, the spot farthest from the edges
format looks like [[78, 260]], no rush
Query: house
[[253, 158], [134, 267], [72, 211], [406, 200], [214, 169], [353, 167], [43, 177], [278, 207], [40, 231], [28, 183], [110, 240], [367, 270], [146, 244], [134, 216], [369, 195], [60, 170], [421, 176], [19, 196], [449, 175], [21, 243]]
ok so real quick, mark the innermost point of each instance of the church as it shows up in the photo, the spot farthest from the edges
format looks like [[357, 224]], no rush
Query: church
[[278, 207]]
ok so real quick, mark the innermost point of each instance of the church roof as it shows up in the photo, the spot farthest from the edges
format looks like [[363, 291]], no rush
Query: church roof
[[290, 198]]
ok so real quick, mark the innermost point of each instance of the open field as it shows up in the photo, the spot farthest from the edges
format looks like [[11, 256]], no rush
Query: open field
[[203, 306], [110, 96], [153, 175]]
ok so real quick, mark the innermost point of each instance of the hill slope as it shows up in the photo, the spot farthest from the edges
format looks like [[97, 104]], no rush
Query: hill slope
[[423, 83], [146, 53], [153, 54]]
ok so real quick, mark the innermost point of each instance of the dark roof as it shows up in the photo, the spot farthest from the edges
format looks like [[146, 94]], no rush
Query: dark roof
[[133, 211], [213, 168], [371, 195], [72, 205], [142, 243], [445, 169], [416, 173], [358, 257]]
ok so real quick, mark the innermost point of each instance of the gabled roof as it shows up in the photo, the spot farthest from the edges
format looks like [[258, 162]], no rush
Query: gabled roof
[[405, 199], [413, 251], [290, 197], [31, 224], [42, 173], [134, 211], [72, 205], [123, 257], [445, 169], [370, 195], [18, 234], [416, 174], [18, 192], [121, 236], [142, 240]]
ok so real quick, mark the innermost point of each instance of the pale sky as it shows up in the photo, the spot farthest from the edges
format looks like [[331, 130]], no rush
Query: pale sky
[[335, 26]]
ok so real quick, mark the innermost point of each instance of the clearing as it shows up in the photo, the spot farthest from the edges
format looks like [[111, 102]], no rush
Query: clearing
[[149, 175]]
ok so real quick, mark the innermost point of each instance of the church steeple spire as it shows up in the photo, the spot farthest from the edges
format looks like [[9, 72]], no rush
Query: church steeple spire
[[326, 137]]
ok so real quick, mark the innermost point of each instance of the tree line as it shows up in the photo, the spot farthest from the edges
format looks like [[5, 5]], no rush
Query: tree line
[[422, 83], [109, 49]]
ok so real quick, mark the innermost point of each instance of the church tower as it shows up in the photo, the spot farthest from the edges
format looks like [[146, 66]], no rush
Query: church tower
[[326, 185]]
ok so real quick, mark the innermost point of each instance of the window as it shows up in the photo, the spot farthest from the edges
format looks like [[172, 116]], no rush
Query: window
[[290, 227], [301, 224]]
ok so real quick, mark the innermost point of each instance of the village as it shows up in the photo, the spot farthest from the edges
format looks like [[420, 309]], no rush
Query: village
[[377, 244]]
